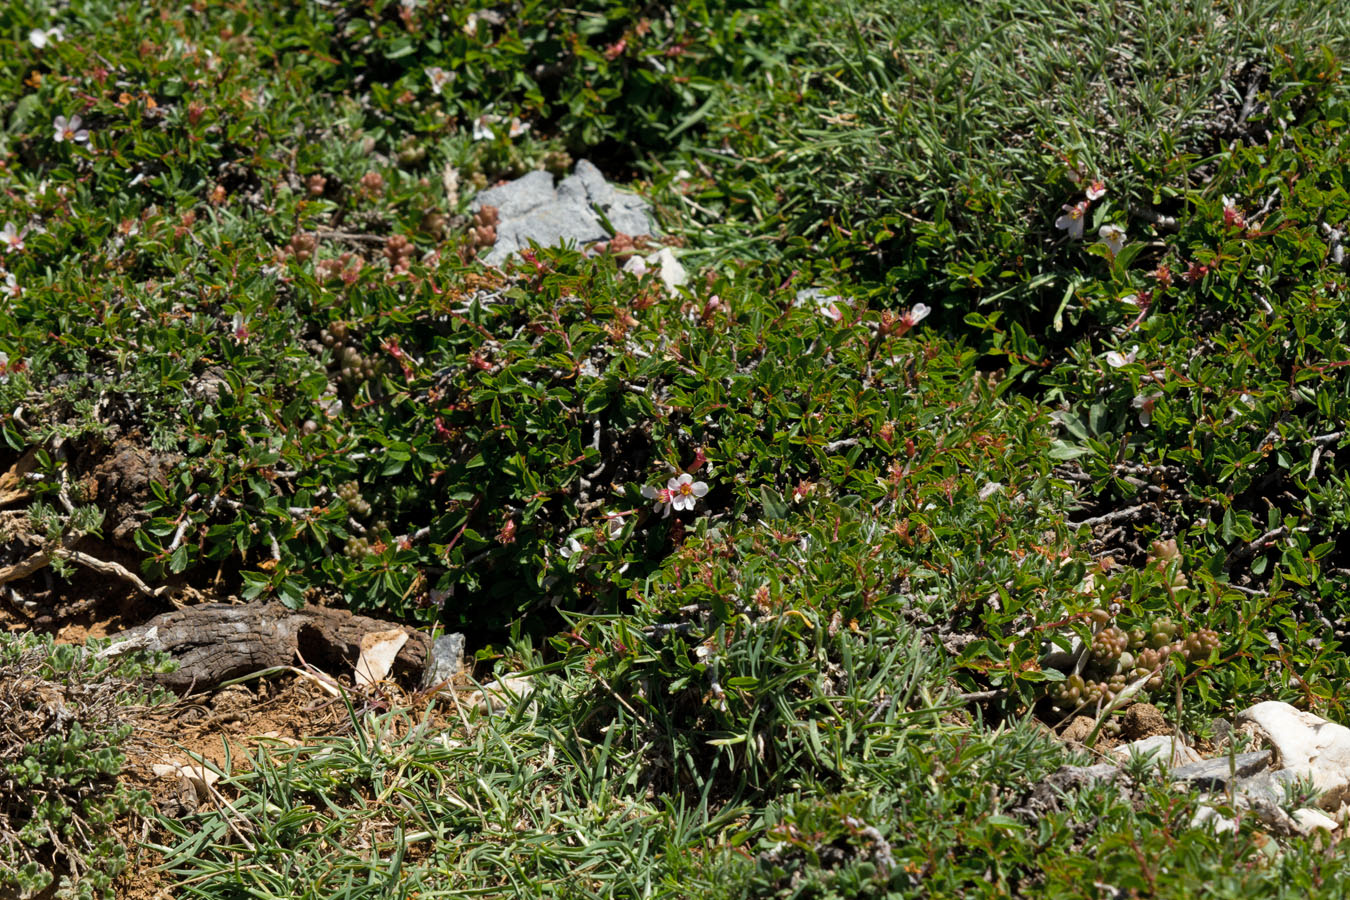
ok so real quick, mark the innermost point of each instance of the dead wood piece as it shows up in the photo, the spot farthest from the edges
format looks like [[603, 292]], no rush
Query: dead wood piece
[[215, 642], [25, 567]]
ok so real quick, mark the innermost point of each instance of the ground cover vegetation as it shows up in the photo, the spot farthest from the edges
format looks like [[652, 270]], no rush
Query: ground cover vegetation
[[1008, 325]]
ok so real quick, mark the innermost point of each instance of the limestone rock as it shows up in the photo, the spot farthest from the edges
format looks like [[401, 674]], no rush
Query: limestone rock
[[532, 209], [1306, 745], [1309, 820]]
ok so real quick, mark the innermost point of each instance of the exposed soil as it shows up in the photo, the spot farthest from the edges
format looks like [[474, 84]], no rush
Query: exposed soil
[[121, 484], [226, 727], [85, 602]]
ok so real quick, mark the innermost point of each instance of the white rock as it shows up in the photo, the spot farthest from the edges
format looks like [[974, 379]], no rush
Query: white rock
[[1168, 750], [672, 273], [1309, 820], [1307, 745], [1208, 815]]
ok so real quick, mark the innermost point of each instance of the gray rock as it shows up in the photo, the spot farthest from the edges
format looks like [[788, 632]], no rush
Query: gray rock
[[1067, 777], [516, 198], [532, 209], [1167, 750], [1046, 795], [446, 655], [1269, 788], [1218, 773]]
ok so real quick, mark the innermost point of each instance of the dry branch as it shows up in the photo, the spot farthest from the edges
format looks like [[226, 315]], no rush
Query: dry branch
[[215, 642]]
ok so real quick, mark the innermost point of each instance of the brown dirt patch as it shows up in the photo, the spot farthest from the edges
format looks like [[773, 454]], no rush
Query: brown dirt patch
[[122, 482], [1143, 720], [230, 724], [1078, 729]]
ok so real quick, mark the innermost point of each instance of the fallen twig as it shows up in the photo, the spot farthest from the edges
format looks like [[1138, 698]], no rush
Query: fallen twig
[[1252, 547], [1149, 214], [350, 237], [1113, 516], [108, 568]]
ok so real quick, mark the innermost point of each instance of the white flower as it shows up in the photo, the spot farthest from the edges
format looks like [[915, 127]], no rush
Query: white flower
[[1072, 220], [4, 366], [1113, 236], [439, 78], [1096, 190], [1145, 404], [827, 306], [12, 238], [685, 490], [40, 38], [481, 131], [1130, 299], [909, 319], [636, 265], [990, 489], [1116, 360], [570, 549], [12, 286], [70, 130], [661, 496], [916, 314]]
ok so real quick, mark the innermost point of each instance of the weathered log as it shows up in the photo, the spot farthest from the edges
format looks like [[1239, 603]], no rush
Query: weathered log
[[215, 642]]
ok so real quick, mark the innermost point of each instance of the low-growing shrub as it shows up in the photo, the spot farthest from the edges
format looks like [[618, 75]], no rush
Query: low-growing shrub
[[64, 718], [978, 158]]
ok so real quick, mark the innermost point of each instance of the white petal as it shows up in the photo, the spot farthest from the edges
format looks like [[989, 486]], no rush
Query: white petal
[[919, 313], [650, 492], [700, 489], [673, 484]]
